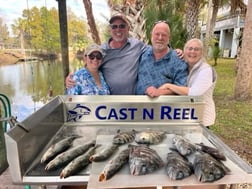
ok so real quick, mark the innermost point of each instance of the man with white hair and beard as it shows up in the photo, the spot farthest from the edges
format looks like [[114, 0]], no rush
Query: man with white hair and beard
[[159, 64]]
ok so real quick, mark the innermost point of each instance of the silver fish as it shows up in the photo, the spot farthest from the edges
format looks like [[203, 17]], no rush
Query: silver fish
[[212, 151], [124, 137], [206, 168], [183, 146], [149, 137], [104, 153], [114, 165], [143, 160], [78, 163], [177, 166], [57, 148], [68, 155]]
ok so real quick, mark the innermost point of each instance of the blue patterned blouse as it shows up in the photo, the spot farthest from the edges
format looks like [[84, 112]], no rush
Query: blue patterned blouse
[[85, 84]]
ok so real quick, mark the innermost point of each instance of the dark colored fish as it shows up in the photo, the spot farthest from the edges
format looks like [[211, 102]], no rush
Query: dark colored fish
[[206, 168], [143, 160], [177, 166], [68, 156], [78, 163], [149, 137], [124, 137], [212, 151], [183, 146], [114, 165], [57, 148], [104, 153]]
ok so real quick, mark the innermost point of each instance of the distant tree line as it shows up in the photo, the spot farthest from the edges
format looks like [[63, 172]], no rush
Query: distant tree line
[[38, 29]]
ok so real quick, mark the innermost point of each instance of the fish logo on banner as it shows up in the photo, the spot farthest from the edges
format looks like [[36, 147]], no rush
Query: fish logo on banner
[[77, 113]]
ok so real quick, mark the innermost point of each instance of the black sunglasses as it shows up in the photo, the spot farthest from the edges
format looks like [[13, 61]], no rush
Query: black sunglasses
[[92, 56], [121, 26]]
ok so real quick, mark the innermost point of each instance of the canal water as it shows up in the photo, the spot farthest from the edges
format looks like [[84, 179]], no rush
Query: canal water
[[29, 85]]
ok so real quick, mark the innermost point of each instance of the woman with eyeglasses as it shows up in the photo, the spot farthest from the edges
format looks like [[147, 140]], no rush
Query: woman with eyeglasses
[[89, 80], [200, 81]]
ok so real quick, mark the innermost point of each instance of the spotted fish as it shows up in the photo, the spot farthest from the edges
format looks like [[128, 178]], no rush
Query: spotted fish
[[123, 137], [78, 163], [69, 155], [57, 148], [212, 151], [114, 165], [105, 153], [143, 160], [206, 168], [149, 137], [177, 167], [183, 145]]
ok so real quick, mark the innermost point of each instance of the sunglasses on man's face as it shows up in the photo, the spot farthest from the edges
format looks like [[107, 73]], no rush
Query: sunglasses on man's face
[[93, 56], [120, 26]]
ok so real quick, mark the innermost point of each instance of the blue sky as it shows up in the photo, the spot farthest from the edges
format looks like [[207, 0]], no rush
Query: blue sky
[[12, 9]]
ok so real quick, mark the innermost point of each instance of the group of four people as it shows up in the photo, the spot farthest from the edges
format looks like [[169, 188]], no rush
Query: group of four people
[[127, 66]]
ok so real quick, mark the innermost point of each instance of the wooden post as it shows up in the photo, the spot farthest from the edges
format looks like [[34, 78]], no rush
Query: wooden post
[[63, 37]]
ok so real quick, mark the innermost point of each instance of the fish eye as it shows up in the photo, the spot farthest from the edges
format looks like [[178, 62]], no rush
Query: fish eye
[[144, 168]]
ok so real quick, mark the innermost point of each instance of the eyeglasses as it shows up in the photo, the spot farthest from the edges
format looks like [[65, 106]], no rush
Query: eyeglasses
[[196, 49], [160, 21], [93, 56], [120, 26]]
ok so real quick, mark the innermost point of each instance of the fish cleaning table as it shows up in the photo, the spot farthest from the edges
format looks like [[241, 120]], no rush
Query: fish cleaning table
[[98, 118]]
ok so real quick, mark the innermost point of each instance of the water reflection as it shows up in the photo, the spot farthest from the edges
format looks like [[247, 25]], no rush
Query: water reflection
[[28, 84]]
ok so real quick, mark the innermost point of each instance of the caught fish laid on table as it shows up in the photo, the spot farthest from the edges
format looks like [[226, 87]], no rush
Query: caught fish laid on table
[[124, 137], [177, 167], [114, 165], [143, 160], [183, 146], [206, 168], [78, 163], [149, 137], [69, 155], [212, 151], [57, 148], [104, 153]]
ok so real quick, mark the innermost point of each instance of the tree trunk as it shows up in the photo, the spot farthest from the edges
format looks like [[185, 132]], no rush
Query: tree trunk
[[22, 42], [192, 13], [243, 87], [91, 21], [208, 29], [213, 6]]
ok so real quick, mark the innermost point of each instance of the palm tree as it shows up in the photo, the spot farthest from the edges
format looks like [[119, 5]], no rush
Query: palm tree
[[192, 14], [171, 11], [133, 10], [91, 21], [243, 87]]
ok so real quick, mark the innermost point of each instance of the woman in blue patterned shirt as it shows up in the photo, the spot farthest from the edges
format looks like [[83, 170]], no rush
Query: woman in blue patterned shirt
[[89, 80]]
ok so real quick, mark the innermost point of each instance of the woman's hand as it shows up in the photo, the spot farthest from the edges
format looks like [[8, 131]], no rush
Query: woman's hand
[[69, 81]]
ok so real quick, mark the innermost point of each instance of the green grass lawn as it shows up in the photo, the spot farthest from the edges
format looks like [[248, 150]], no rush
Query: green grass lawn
[[234, 118]]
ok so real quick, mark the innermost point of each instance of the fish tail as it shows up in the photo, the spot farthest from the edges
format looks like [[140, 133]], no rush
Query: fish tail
[[102, 177]]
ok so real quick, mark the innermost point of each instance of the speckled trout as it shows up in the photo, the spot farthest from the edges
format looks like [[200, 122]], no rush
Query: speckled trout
[[57, 148], [78, 163], [69, 155]]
